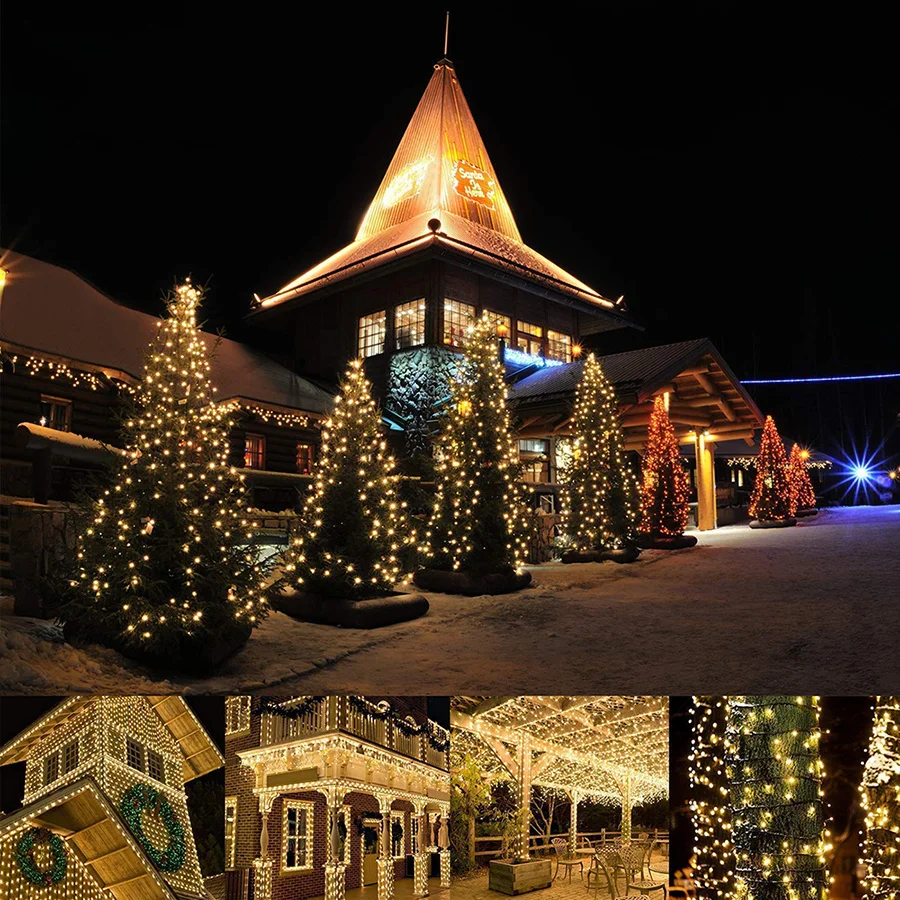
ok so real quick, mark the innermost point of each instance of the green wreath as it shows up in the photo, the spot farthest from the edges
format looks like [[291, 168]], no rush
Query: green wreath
[[135, 801], [25, 857]]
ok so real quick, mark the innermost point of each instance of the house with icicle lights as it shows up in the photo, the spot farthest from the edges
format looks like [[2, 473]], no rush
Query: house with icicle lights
[[105, 810], [335, 797]]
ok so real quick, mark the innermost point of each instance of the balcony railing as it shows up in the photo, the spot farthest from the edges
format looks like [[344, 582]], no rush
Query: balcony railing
[[358, 717]]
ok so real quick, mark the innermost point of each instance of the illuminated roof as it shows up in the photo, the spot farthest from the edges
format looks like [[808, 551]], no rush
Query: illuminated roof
[[589, 743], [441, 170]]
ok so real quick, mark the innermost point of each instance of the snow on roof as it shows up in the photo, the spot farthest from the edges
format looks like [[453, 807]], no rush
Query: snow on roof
[[52, 311]]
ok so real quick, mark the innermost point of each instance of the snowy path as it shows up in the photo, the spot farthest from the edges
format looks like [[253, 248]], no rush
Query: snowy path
[[811, 609]]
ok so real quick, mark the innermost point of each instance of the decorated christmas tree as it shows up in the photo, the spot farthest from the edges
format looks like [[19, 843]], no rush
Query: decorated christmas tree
[[802, 494], [665, 490], [775, 775], [771, 500], [880, 791], [353, 526], [478, 524], [601, 505], [166, 569]]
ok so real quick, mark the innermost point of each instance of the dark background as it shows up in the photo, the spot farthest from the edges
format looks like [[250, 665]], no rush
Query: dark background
[[730, 168]]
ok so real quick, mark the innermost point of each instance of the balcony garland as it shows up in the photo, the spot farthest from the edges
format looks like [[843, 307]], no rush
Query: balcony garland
[[272, 708], [386, 713]]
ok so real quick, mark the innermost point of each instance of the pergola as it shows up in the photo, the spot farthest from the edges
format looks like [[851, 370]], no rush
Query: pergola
[[591, 748]]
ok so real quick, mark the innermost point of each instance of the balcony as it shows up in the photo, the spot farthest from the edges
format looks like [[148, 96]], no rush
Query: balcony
[[360, 718]]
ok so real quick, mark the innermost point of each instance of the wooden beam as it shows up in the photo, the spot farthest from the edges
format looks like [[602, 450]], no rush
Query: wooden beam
[[502, 754], [124, 881], [700, 369], [102, 856]]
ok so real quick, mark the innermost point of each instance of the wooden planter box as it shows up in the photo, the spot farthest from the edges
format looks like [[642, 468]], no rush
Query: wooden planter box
[[519, 877]]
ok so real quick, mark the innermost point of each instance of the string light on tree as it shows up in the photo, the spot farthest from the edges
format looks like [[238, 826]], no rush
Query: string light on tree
[[665, 489], [802, 494], [771, 500], [166, 570]]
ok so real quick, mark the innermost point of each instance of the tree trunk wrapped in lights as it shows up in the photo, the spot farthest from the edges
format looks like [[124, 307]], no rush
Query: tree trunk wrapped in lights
[[665, 490], [710, 806], [479, 524], [771, 500], [600, 509], [166, 569], [775, 775], [354, 525], [881, 799], [802, 494]]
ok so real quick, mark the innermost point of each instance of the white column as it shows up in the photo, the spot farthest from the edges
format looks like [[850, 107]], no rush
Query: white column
[[335, 883], [574, 796], [444, 844], [263, 863], [421, 857], [523, 851], [626, 808], [385, 857]]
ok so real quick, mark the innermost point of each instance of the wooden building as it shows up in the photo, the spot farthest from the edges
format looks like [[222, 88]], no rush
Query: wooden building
[[92, 766], [326, 795]]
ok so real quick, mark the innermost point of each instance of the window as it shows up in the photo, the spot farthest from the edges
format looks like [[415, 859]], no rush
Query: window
[[398, 834], [502, 324], [297, 831], [740, 481], [371, 334], [237, 714], [529, 338], [56, 412], [254, 451], [534, 456], [306, 456], [409, 324], [134, 754], [559, 345], [230, 830], [156, 768], [70, 756], [457, 318], [51, 768]]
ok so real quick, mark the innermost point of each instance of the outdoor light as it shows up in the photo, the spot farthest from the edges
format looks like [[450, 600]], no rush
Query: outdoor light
[[861, 473], [576, 349], [2, 277]]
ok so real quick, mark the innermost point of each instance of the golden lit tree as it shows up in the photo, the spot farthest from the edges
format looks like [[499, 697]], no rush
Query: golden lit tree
[[353, 525], [771, 500], [479, 523], [665, 490], [802, 494], [166, 569], [880, 791], [600, 506]]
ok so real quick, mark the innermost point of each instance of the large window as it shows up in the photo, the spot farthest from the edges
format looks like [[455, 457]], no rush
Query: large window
[[534, 456], [306, 456], [230, 830], [529, 338], [70, 756], [298, 835], [502, 324], [371, 334], [156, 767], [559, 345], [409, 324], [254, 451], [56, 412], [134, 754], [457, 318], [51, 768], [237, 714], [398, 834]]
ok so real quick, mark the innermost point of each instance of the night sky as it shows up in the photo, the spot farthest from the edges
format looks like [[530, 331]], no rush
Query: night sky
[[730, 168]]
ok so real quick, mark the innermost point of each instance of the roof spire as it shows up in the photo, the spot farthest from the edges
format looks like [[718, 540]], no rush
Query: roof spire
[[446, 32]]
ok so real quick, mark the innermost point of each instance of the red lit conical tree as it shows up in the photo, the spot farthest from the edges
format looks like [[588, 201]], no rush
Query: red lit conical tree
[[802, 494], [664, 492], [771, 499]]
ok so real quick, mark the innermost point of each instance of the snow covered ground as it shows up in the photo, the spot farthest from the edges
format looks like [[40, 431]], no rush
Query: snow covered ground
[[811, 609]]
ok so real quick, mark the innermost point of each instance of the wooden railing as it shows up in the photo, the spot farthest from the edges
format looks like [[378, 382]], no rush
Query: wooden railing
[[539, 844]]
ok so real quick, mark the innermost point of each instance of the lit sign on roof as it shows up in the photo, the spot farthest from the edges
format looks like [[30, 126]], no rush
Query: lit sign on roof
[[406, 183], [520, 358], [473, 183]]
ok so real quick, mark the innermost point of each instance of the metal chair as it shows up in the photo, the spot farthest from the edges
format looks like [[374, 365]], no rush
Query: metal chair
[[633, 859], [605, 862], [561, 847]]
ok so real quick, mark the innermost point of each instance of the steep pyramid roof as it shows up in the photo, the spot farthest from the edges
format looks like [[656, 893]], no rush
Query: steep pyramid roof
[[440, 165]]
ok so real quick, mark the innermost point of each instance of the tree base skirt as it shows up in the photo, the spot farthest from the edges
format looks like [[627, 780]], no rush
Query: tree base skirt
[[372, 613], [673, 542], [804, 513], [773, 523], [470, 585], [625, 555]]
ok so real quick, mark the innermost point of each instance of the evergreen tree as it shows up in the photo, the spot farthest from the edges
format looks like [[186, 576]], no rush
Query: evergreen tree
[[664, 493], [881, 799], [771, 493], [601, 507], [353, 524], [802, 494], [478, 522], [775, 774], [166, 569]]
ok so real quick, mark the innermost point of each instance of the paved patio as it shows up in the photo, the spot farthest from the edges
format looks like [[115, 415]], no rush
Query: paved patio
[[403, 890]]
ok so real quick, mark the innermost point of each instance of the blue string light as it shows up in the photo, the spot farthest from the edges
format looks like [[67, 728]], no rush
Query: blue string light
[[824, 378]]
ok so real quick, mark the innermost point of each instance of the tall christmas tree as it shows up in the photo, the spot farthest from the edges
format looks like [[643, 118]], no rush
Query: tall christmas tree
[[601, 508], [710, 805], [478, 524], [166, 569], [880, 791], [775, 775], [802, 494], [353, 525], [665, 490], [771, 500]]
